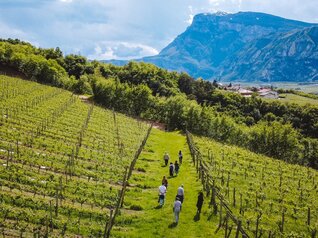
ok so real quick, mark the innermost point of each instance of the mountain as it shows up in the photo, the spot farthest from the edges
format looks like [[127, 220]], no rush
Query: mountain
[[245, 46], [291, 56]]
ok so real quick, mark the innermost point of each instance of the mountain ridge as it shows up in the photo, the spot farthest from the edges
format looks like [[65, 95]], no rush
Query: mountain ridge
[[215, 43]]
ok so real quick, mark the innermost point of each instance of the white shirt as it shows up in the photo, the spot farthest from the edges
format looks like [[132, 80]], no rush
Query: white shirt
[[177, 206], [180, 191], [162, 190]]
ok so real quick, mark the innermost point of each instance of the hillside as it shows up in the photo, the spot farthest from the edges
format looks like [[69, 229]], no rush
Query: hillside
[[64, 173], [62, 161], [245, 46], [270, 198], [180, 102]]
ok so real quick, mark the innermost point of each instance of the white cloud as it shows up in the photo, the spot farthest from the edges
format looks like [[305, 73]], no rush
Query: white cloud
[[139, 27], [121, 50]]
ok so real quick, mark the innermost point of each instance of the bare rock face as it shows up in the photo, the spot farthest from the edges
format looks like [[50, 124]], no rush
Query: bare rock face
[[291, 56], [245, 46]]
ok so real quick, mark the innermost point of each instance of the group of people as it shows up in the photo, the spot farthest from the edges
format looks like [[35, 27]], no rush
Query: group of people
[[179, 199], [173, 167]]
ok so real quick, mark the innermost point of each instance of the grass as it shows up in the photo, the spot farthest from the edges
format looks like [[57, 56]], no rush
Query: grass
[[150, 220], [293, 98]]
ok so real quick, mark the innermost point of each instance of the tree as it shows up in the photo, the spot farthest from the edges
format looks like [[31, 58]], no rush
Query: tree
[[75, 65], [141, 99]]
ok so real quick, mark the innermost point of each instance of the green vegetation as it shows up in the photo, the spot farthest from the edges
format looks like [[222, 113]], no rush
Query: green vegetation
[[62, 161], [270, 197], [297, 99], [152, 221], [146, 91]]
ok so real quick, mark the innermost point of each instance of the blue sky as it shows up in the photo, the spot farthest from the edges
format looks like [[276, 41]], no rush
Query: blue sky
[[123, 29]]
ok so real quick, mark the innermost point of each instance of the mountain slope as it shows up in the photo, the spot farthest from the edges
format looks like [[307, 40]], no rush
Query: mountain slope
[[217, 42], [292, 56]]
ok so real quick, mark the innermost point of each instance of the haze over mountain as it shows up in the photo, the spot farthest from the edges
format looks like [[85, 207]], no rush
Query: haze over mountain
[[245, 46]]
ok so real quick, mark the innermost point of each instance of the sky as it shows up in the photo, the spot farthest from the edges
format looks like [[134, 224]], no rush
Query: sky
[[124, 29]]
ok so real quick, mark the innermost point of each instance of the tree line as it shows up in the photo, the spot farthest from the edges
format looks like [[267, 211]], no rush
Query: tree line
[[284, 131]]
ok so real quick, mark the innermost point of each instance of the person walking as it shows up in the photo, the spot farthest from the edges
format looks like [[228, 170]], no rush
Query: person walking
[[180, 157], [171, 169], [176, 168], [165, 181], [162, 194], [200, 202], [166, 158], [177, 209], [180, 193]]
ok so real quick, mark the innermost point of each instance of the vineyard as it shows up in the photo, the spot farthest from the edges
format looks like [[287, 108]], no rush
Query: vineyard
[[64, 162], [260, 196]]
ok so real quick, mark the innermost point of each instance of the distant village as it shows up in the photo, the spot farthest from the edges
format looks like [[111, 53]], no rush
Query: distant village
[[262, 91]]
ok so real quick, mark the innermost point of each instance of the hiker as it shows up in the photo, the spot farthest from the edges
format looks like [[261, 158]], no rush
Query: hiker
[[165, 181], [200, 202], [171, 169], [180, 193], [180, 157], [176, 209], [166, 158], [176, 167], [162, 194]]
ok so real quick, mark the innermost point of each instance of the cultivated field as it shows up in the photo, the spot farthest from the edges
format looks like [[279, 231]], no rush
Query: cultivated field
[[270, 197], [62, 161]]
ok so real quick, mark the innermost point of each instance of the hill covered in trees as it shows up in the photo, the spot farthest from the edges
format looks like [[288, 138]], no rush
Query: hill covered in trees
[[284, 131]]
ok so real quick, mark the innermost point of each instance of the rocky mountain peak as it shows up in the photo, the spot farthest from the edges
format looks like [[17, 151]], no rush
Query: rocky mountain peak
[[243, 46]]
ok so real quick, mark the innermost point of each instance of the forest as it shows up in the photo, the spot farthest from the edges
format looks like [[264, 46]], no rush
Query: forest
[[284, 131]]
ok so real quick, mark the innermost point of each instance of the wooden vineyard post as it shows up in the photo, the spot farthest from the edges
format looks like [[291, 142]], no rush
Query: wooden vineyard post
[[118, 205], [221, 206], [51, 216], [234, 199], [257, 225], [200, 171], [197, 161], [18, 151], [8, 158], [207, 187], [124, 188], [226, 225], [308, 216], [202, 178], [117, 130], [46, 235], [56, 201], [107, 225], [283, 221], [213, 200], [228, 185], [61, 189], [239, 225], [241, 203]]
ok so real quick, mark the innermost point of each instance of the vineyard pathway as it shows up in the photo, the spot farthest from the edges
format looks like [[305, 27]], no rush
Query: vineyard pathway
[[141, 216]]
